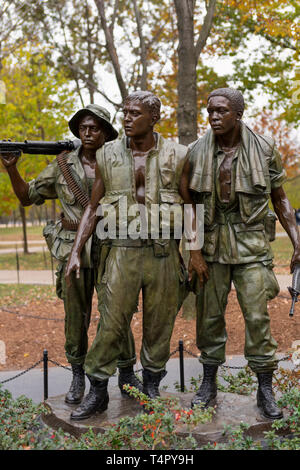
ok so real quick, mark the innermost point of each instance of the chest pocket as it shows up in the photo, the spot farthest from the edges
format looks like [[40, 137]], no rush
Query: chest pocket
[[64, 192], [120, 177], [167, 165]]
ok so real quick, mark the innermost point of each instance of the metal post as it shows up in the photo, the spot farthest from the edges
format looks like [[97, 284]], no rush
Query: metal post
[[45, 259], [18, 264], [181, 365], [45, 360], [52, 269]]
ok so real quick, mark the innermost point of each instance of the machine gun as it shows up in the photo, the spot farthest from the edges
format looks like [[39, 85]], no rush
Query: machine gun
[[38, 147], [295, 289]]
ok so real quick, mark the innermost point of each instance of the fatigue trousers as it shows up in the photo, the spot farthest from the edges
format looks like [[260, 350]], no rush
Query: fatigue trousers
[[255, 284], [128, 271], [78, 306]]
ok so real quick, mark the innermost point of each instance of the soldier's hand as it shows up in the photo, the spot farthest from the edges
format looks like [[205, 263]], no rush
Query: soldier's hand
[[197, 263], [73, 265], [9, 158]]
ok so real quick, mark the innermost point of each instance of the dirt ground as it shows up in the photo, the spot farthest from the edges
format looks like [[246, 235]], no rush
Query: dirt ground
[[29, 329]]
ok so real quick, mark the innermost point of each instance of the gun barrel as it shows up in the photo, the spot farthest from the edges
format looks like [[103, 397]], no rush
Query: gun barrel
[[39, 147]]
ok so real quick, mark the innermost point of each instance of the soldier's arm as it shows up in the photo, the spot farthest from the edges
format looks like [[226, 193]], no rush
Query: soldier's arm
[[285, 214], [197, 262], [86, 227], [20, 186]]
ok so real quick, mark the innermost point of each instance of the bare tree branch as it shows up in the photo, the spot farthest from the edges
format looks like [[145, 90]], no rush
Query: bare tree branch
[[76, 70], [142, 46], [206, 28], [112, 25], [111, 49]]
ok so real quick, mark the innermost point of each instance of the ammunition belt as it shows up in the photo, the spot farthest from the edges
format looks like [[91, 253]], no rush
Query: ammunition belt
[[69, 224], [79, 194]]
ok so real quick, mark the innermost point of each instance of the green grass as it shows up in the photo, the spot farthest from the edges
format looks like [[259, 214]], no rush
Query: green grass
[[283, 249], [16, 233], [20, 294], [32, 261], [33, 244], [292, 189]]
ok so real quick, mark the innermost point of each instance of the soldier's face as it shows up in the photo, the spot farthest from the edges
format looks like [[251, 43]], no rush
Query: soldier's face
[[91, 133], [137, 119], [221, 116]]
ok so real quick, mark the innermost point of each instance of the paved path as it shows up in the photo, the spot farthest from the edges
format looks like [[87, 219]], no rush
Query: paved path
[[27, 277], [20, 250], [19, 247], [46, 277], [19, 242]]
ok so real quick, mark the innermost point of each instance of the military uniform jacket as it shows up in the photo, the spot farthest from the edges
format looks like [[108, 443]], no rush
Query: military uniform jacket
[[164, 165], [51, 184], [236, 232]]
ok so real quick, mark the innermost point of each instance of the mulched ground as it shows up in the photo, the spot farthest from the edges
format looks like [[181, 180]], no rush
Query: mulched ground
[[26, 337]]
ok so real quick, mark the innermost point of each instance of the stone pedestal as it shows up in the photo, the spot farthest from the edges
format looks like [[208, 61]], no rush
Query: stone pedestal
[[231, 409]]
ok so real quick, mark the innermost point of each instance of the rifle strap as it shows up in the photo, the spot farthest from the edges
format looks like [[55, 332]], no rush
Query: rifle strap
[[79, 194]]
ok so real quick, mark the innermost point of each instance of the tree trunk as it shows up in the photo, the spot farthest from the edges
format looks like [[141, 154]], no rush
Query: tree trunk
[[189, 50], [139, 23], [187, 77], [89, 54], [23, 218], [53, 209]]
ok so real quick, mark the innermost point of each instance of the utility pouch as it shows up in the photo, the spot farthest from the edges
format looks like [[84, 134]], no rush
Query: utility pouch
[[50, 233], [161, 248], [270, 225], [104, 252]]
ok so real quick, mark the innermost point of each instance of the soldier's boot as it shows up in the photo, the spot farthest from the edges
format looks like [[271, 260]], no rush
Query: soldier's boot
[[265, 397], [151, 381], [96, 400], [207, 391], [128, 377], [76, 391]]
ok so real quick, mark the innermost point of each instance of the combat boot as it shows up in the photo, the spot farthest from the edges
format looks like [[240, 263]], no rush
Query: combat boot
[[76, 392], [128, 377], [207, 391], [96, 400], [151, 381], [265, 397]]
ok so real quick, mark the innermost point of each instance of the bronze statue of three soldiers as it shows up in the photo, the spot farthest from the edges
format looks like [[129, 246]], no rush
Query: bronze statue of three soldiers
[[232, 173]]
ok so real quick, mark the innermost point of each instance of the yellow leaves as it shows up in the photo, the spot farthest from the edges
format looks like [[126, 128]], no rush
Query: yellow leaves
[[38, 104], [272, 17]]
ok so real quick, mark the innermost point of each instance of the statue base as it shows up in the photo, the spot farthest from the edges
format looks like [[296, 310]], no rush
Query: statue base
[[231, 409]]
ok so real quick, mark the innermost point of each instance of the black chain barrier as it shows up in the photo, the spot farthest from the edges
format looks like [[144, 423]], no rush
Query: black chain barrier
[[181, 349], [232, 367], [37, 317], [22, 373]]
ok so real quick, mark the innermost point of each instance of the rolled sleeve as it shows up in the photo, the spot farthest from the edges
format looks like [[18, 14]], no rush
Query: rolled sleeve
[[33, 194], [43, 187]]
